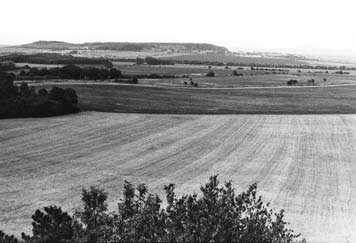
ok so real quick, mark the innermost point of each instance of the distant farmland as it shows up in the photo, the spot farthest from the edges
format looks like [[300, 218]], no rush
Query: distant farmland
[[237, 59], [173, 100], [304, 164]]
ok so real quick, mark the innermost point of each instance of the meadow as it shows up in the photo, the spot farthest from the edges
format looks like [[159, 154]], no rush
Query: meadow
[[109, 97], [304, 164]]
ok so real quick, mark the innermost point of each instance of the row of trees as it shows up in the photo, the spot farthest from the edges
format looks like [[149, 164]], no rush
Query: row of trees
[[220, 215], [7, 66], [53, 58], [71, 72], [25, 101], [154, 61], [88, 73], [269, 65]]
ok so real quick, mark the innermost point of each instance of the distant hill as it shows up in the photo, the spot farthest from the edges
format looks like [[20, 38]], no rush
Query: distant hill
[[129, 46]]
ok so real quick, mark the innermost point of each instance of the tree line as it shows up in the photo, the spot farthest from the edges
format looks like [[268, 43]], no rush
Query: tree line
[[219, 215], [70, 72], [25, 101], [153, 61], [156, 61], [53, 58], [86, 73]]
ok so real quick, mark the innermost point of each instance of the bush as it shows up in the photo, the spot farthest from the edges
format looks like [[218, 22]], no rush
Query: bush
[[292, 82], [235, 73], [49, 226], [219, 215], [210, 74]]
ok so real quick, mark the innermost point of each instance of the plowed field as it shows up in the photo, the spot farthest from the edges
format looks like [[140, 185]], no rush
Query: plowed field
[[302, 163]]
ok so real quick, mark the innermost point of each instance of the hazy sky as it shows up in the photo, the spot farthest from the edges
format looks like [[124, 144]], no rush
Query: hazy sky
[[300, 25]]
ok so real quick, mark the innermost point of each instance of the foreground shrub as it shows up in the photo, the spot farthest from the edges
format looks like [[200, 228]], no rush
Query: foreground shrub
[[4, 238], [218, 215], [52, 225]]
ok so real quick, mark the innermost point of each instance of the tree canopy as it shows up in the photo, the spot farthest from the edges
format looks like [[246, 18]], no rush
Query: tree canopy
[[218, 215]]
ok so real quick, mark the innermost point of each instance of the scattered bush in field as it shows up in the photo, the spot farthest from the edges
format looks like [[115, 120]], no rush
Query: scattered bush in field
[[235, 73], [210, 74], [219, 215], [341, 72], [134, 80], [324, 79], [311, 81], [25, 102], [292, 82], [140, 61]]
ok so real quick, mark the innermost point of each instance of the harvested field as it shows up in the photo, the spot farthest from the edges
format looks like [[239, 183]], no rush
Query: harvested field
[[304, 164]]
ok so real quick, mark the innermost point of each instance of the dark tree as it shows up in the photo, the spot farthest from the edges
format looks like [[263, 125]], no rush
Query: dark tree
[[71, 95], [4, 238], [235, 73], [108, 65], [210, 74], [57, 94], [25, 90], [218, 215], [43, 92], [140, 61], [50, 226], [114, 73]]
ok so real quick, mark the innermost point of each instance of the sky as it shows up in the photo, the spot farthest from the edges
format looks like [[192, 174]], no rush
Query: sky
[[299, 26]]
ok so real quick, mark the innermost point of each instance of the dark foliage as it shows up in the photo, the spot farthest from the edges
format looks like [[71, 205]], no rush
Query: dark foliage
[[7, 66], [210, 74], [49, 226], [235, 73], [155, 61], [292, 82], [52, 58], [140, 61], [219, 215], [71, 72], [25, 102], [341, 72], [4, 238]]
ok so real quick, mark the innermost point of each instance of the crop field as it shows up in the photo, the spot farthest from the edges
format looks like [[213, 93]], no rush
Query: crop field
[[237, 59], [304, 164], [224, 78], [255, 80], [110, 97]]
